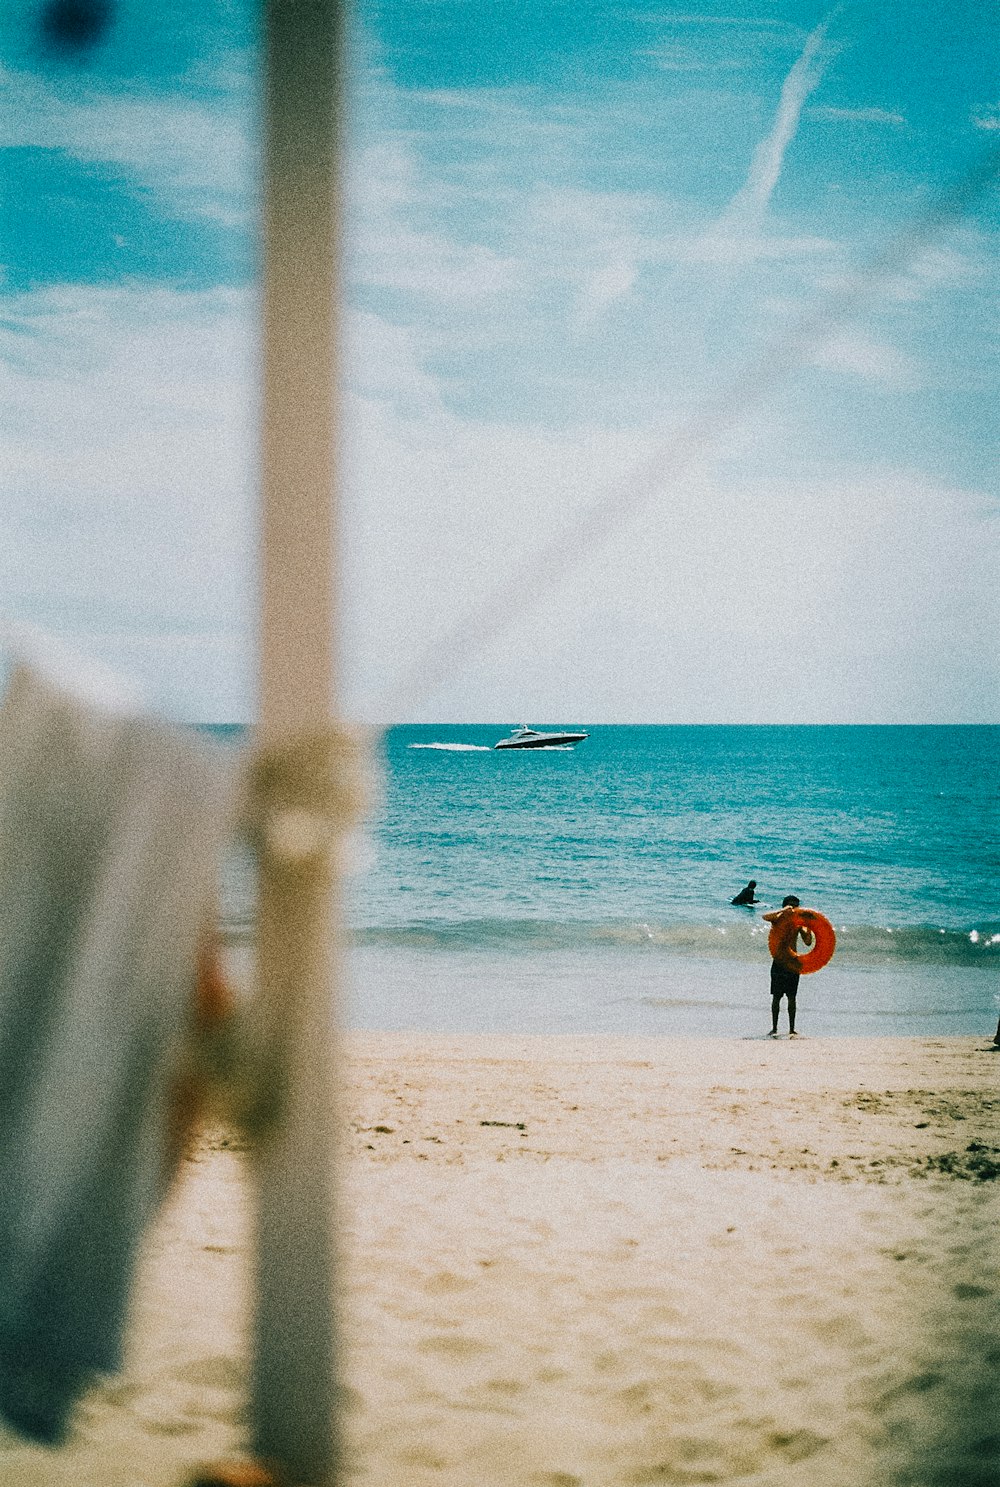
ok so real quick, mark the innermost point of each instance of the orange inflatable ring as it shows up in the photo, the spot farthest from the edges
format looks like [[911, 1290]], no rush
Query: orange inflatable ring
[[784, 933]]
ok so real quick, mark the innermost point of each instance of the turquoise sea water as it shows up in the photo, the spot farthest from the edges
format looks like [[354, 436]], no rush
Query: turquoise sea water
[[587, 889]]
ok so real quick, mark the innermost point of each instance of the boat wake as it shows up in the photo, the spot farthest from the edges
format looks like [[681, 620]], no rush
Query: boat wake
[[454, 748]]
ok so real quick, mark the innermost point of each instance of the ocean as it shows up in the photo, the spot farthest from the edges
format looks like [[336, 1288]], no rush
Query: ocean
[[588, 890]]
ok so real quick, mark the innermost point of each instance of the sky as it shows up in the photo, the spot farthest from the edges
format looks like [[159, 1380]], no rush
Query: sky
[[594, 469]]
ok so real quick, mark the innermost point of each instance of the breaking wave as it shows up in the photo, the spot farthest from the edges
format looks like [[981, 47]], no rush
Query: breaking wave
[[859, 944]]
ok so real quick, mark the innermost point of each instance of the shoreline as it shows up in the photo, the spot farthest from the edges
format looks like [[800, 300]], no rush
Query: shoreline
[[606, 1262], [617, 992], [622, 993]]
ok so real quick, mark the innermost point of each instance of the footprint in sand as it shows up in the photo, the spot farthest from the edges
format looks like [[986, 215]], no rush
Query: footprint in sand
[[551, 1374], [451, 1346], [157, 1419], [446, 1283], [123, 1391], [503, 1388], [425, 1457], [795, 1445], [213, 1373], [639, 1399], [691, 1460]]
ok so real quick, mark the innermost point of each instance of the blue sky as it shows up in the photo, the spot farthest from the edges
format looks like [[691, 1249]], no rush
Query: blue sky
[[569, 226]]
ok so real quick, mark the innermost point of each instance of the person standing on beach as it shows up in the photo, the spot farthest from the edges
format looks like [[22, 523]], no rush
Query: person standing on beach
[[784, 982]]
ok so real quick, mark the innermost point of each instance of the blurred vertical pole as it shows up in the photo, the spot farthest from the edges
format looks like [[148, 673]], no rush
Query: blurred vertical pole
[[294, 1377]]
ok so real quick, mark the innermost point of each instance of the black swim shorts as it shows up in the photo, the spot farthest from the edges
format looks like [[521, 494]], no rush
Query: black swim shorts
[[783, 981]]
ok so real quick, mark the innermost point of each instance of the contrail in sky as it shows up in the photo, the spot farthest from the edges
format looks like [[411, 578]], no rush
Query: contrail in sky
[[754, 197], [743, 217]]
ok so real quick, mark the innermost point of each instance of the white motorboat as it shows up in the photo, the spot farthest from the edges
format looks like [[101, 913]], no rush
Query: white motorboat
[[529, 738]]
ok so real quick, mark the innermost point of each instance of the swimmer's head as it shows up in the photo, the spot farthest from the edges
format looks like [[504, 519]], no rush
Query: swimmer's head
[[752, 883], [790, 901]]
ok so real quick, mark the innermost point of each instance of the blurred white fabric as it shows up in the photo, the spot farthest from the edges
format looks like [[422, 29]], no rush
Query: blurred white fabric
[[111, 826]]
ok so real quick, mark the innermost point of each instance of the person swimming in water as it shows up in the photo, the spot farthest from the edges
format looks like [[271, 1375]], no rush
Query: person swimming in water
[[746, 895]]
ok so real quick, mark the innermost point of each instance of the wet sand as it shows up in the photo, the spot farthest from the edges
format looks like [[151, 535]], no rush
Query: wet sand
[[610, 1261]]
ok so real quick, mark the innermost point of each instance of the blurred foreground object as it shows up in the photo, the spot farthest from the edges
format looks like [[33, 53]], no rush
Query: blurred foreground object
[[111, 825], [237, 1474], [73, 26], [294, 1398]]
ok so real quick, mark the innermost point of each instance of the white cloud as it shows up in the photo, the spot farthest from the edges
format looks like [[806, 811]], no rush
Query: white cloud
[[385, 176], [855, 354], [855, 115], [749, 31], [608, 284], [727, 243], [752, 23], [389, 189], [200, 158], [942, 267], [127, 509], [127, 524], [675, 57], [386, 366], [469, 100], [127, 476], [432, 265], [587, 243], [591, 249], [986, 121], [881, 580]]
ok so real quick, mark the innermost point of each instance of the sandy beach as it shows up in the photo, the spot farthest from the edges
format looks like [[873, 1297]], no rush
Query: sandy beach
[[571, 1262]]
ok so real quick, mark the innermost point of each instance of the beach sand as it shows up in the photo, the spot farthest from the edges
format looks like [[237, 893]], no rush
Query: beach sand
[[591, 1261]]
